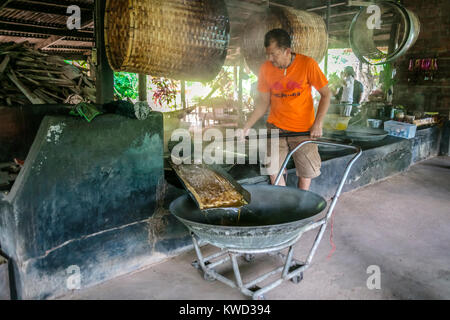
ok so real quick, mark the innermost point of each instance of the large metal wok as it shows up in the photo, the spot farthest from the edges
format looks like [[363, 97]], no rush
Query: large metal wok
[[365, 134], [274, 220], [274, 216]]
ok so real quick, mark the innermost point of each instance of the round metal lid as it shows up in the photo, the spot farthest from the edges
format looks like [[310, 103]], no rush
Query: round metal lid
[[382, 32]]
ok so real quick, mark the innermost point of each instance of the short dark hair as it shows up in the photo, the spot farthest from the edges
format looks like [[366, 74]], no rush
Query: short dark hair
[[280, 36]]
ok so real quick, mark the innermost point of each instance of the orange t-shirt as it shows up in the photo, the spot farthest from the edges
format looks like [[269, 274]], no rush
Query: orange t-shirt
[[291, 102]]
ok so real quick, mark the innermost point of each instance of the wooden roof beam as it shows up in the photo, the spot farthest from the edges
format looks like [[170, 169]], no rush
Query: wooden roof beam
[[54, 39], [47, 31], [63, 3], [33, 6], [47, 42], [26, 22], [4, 3]]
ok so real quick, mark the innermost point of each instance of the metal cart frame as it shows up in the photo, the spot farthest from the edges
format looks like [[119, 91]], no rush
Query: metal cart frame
[[292, 269]]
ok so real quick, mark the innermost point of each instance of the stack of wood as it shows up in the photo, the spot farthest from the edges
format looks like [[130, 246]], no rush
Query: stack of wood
[[30, 76]]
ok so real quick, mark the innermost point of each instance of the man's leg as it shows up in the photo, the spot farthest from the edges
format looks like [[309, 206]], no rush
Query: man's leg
[[281, 153], [304, 183], [307, 162], [280, 183]]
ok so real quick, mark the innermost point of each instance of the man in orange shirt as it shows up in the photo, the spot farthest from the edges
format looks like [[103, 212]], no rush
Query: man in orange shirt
[[284, 84]]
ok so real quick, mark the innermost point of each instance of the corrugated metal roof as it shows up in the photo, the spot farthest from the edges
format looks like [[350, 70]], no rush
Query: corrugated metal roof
[[43, 23]]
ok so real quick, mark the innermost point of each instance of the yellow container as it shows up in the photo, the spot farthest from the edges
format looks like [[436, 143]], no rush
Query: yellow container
[[335, 122]]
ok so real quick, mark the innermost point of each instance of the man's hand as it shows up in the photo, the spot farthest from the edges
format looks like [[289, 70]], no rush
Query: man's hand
[[324, 103], [242, 133], [262, 105], [316, 131]]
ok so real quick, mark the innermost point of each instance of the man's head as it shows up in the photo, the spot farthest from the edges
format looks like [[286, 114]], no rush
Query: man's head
[[349, 71], [278, 47]]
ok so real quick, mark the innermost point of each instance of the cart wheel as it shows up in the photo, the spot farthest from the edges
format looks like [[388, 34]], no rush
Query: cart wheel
[[195, 264], [249, 257], [298, 278], [208, 277]]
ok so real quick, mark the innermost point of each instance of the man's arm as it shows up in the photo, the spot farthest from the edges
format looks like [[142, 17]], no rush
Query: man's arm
[[324, 104], [262, 105]]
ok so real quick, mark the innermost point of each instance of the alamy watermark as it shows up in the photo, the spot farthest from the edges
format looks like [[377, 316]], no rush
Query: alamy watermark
[[73, 281], [74, 21], [374, 280], [374, 21]]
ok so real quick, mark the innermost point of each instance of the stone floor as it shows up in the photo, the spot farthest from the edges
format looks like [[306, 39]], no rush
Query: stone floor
[[400, 225]]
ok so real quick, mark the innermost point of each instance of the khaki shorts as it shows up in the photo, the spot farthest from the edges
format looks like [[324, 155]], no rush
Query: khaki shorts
[[307, 159]]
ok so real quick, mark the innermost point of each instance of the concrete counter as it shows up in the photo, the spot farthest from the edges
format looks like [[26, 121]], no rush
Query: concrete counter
[[84, 206], [91, 202]]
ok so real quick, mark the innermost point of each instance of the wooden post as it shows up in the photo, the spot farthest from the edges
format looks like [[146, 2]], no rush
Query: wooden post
[[104, 73], [183, 94], [142, 87], [328, 31], [235, 78], [241, 74]]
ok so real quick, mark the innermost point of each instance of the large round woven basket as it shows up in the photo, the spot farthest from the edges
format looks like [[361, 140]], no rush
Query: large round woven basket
[[177, 39], [307, 30]]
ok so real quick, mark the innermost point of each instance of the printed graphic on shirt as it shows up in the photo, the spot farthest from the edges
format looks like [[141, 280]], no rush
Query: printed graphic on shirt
[[290, 86]]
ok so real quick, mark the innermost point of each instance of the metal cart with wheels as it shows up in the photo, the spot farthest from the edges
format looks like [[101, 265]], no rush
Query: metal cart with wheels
[[260, 233]]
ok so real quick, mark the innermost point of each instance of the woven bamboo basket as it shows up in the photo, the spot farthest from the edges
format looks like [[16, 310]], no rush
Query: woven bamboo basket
[[308, 34], [177, 39]]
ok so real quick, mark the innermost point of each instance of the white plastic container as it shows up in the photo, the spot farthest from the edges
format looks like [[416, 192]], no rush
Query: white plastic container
[[400, 129]]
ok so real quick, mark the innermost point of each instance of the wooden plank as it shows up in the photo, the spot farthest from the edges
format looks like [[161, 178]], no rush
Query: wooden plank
[[40, 7], [47, 42], [27, 78], [44, 97], [54, 39], [30, 96], [39, 71], [51, 94], [4, 64], [48, 31], [4, 3], [62, 3]]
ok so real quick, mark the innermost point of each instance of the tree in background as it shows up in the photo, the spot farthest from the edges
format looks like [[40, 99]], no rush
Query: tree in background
[[165, 91], [125, 86]]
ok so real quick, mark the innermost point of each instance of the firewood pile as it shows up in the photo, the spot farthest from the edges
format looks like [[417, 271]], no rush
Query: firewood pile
[[29, 76]]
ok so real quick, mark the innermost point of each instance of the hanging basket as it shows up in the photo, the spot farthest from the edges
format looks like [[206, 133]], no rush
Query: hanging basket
[[307, 30], [177, 39]]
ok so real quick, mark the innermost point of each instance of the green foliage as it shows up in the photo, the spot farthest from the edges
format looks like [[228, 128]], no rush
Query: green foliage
[[334, 78], [79, 63], [386, 77], [222, 85], [126, 85]]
